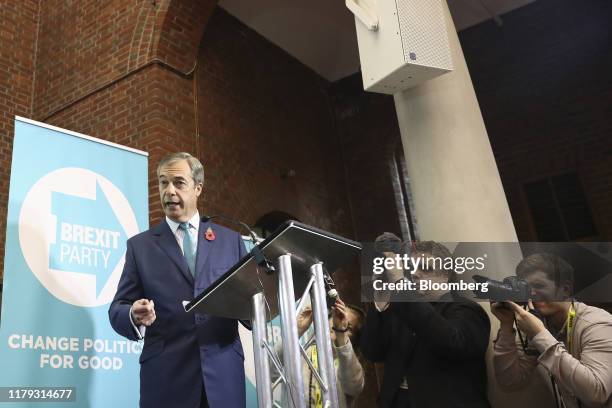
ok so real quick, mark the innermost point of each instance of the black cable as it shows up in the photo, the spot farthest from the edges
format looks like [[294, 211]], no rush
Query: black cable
[[525, 341]]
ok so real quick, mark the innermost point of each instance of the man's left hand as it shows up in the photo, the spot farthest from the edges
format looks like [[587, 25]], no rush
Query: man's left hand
[[526, 322]]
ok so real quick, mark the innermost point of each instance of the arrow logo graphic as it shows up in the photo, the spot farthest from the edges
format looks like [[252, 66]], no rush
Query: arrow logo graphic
[[89, 237]]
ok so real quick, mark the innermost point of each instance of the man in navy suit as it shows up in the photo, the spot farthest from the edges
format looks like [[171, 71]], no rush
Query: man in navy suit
[[188, 360]]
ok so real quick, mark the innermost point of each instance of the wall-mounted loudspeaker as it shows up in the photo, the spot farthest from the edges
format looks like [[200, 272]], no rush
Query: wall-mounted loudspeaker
[[402, 43]]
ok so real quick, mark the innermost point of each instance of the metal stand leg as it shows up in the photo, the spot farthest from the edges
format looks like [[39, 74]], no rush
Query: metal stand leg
[[291, 346], [262, 364], [323, 338]]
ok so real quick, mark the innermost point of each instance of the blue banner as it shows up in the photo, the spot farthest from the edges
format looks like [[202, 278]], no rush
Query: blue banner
[[73, 202]]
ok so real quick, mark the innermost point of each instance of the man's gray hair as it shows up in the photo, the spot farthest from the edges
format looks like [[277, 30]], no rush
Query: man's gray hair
[[197, 170]]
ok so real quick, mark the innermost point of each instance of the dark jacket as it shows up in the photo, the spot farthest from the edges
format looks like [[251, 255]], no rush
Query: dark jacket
[[440, 347], [182, 351]]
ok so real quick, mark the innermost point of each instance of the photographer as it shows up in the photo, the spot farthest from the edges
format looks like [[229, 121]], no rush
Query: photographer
[[573, 342], [433, 349], [345, 324]]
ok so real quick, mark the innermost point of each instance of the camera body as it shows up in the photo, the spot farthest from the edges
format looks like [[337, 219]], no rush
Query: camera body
[[510, 289]]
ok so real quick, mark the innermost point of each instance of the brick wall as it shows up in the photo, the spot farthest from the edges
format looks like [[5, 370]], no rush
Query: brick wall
[[544, 86], [118, 71], [261, 127], [150, 110], [125, 72], [18, 31], [85, 45], [261, 113]]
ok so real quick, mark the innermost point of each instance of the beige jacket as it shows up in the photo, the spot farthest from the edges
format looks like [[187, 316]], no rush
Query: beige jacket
[[350, 378], [584, 373]]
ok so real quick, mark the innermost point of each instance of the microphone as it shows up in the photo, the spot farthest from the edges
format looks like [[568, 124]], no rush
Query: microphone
[[259, 257], [330, 290]]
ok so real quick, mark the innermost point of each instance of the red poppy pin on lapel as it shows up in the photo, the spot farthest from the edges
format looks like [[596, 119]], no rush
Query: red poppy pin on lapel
[[209, 235]]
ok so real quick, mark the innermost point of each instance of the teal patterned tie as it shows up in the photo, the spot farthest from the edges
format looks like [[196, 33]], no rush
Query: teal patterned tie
[[188, 251]]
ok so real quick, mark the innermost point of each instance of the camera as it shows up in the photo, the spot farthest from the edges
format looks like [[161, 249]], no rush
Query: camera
[[510, 289]]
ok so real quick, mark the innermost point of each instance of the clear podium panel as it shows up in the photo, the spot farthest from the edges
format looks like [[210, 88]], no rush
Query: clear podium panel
[[230, 296]]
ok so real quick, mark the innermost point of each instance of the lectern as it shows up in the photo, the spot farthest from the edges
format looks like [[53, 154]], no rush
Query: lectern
[[288, 265]]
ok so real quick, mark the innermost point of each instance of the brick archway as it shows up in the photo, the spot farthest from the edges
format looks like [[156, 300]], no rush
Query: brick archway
[[179, 26]]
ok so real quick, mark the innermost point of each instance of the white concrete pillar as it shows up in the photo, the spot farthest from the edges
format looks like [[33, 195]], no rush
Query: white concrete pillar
[[454, 179], [457, 191]]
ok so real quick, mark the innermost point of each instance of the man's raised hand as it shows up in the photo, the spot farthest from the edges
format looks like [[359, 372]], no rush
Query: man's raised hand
[[143, 312]]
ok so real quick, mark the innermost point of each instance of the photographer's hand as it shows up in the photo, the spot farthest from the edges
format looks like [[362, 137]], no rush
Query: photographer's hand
[[393, 274], [525, 321], [382, 297], [340, 321], [504, 314], [304, 320]]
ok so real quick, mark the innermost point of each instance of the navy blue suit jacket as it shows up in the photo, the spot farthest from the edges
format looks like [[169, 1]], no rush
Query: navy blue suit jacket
[[182, 351]]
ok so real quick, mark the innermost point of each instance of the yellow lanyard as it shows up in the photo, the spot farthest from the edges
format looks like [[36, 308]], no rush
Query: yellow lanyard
[[315, 391], [571, 317]]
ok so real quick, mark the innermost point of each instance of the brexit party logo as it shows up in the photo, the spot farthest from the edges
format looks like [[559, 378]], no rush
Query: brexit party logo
[[73, 225]]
